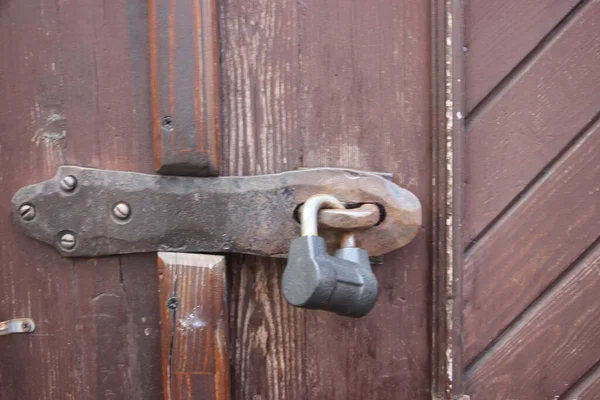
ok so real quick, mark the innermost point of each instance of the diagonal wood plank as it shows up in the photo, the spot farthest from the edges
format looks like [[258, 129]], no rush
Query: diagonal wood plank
[[546, 232], [499, 34], [587, 388], [554, 344], [509, 143]]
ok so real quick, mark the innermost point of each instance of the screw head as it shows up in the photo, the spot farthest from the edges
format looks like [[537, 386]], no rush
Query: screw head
[[27, 212], [68, 183], [25, 327], [172, 303], [121, 210], [67, 240]]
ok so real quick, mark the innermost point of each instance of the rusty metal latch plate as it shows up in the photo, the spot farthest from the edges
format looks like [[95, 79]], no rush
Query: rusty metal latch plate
[[93, 212]]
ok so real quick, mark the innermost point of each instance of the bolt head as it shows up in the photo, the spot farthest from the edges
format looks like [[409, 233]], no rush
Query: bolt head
[[172, 303], [121, 210], [27, 212], [68, 183], [67, 241]]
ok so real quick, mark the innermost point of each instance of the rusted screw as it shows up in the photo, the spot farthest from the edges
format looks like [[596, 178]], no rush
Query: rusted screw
[[167, 123], [68, 183], [25, 327], [67, 241], [27, 212], [121, 210], [173, 303]]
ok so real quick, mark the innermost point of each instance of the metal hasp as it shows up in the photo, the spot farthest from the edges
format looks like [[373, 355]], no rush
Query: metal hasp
[[93, 212], [17, 325], [343, 283]]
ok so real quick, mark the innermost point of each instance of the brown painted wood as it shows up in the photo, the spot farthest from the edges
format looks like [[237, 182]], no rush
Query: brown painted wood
[[553, 344], [330, 83], [588, 387], [34, 282], [499, 34], [184, 57], [447, 201], [532, 119], [75, 86], [533, 244], [195, 333]]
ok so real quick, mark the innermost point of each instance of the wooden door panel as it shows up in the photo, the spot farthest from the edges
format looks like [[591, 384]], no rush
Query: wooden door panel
[[331, 83], [304, 84], [558, 338], [533, 245], [532, 205], [500, 34], [530, 121]]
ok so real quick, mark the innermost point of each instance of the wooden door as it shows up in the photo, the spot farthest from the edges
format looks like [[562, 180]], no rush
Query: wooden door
[[303, 84], [370, 85]]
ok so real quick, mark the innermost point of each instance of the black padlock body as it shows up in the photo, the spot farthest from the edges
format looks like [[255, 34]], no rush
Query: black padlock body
[[316, 280]]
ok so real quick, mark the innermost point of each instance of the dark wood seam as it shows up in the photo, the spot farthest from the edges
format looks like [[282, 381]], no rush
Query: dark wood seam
[[516, 73], [524, 317], [582, 384], [447, 147], [499, 219]]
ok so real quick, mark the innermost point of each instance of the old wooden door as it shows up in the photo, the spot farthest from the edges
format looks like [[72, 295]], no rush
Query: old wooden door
[[303, 84], [371, 85]]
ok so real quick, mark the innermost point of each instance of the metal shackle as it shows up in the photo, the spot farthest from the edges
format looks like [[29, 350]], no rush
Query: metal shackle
[[310, 214]]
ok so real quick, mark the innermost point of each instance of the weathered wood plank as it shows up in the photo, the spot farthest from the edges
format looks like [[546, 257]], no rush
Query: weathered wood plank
[[366, 73], [104, 312], [511, 141], [184, 74], [533, 244], [35, 281], [194, 326], [553, 344], [354, 57], [107, 125], [78, 94], [261, 134], [499, 34]]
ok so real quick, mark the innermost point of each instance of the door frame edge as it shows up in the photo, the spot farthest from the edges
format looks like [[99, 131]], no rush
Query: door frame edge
[[447, 50]]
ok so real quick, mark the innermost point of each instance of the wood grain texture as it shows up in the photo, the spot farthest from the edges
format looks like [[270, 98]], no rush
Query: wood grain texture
[[532, 119], [555, 342], [499, 34], [194, 335], [75, 77], [184, 74], [533, 244], [588, 387], [330, 83], [261, 96]]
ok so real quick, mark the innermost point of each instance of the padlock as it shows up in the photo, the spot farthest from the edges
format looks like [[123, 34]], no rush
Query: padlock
[[343, 283]]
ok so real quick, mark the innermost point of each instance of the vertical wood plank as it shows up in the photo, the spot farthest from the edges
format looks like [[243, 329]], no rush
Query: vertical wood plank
[[184, 74], [261, 134], [329, 83], [366, 79], [194, 326]]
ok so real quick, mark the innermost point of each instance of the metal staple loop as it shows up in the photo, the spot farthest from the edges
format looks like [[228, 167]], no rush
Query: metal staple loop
[[363, 217]]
